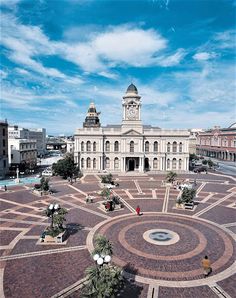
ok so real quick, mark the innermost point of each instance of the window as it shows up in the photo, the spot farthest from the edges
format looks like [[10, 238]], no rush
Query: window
[[11, 156], [180, 147], [180, 164], [3, 143], [107, 146], [174, 148], [88, 147], [168, 147], [155, 163], [155, 147], [94, 162], [107, 163], [116, 146], [4, 164], [168, 163], [82, 163], [3, 132], [82, 146], [146, 146], [94, 146], [116, 163], [4, 152], [174, 164], [88, 163], [131, 146]]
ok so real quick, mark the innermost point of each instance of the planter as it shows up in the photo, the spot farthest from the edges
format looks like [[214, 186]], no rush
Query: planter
[[179, 206], [57, 239]]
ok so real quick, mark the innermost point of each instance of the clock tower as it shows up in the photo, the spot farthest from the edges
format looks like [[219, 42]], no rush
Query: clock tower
[[131, 108]]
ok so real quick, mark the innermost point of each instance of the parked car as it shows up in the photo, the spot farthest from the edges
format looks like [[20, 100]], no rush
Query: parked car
[[200, 169], [47, 173]]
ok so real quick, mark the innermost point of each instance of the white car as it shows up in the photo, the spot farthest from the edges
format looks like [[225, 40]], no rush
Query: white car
[[47, 173]]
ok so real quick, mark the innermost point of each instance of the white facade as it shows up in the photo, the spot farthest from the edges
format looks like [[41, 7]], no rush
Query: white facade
[[38, 134], [70, 144], [22, 151], [131, 146]]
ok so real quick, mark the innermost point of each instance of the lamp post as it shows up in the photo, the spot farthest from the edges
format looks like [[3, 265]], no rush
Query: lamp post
[[52, 209], [101, 259]]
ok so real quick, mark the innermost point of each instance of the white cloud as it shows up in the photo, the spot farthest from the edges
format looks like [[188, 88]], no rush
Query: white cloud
[[204, 56]]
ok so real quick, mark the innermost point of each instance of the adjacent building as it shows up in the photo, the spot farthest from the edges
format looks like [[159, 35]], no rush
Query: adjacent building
[[38, 134], [218, 143], [22, 153], [3, 149], [129, 146]]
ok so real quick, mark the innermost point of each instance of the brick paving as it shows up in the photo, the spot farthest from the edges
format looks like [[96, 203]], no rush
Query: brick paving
[[170, 264]]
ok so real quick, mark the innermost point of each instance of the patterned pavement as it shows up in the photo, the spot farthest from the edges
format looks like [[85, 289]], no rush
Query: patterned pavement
[[28, 269]]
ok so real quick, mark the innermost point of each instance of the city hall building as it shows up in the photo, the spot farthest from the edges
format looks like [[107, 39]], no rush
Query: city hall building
[[130, 146]]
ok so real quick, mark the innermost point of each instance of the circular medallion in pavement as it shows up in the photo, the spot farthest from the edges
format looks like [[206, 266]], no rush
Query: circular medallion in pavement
[[136, 246], [161, 237]]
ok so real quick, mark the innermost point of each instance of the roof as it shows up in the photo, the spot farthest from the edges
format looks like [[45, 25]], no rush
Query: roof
[[132, 89]]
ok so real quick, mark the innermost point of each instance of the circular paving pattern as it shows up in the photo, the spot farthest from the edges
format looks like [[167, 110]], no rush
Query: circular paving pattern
[[192, 240], [161, 237]]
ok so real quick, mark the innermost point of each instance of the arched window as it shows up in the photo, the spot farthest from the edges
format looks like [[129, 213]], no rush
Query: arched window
[[131, 146], [107, 163], [174, 164], [180, 147], [168, 147], [116, 163], [88, 163], [155, 163], [107, 146], [168, 164], [94, 146], [94, 163], [180, 164], [82, 146], [88, 146], [116, 146], [146, 146], [155, 146], [174, 148], [82, 163]]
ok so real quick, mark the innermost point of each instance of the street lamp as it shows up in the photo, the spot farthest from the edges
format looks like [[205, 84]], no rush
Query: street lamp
[[101, 259], [52, 208]]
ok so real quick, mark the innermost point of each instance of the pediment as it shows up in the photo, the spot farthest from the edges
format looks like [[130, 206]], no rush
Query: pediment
[[131, 132]]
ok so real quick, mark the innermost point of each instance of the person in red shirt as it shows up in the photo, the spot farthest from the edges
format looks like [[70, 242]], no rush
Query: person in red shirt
[[138, 210]]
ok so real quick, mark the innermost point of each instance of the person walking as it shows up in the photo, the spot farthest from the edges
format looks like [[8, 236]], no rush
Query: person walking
[[206, 264], [5, 187], [138, 210]]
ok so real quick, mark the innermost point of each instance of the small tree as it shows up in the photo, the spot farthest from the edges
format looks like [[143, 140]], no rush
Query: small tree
[[210, 163], [107, 178], [105, 193], [59, 218], [187, 195], [102, 246], [171, 176], [204, 162], [44, 184], [66, 167]]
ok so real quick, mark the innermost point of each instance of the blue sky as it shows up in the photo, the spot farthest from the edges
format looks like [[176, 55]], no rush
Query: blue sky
[[59, 55]]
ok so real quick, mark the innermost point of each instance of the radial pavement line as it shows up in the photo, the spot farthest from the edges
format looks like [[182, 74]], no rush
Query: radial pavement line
[[125, 203], [42, 253], [166, 200], [219, 291], [71, 289], [213, 205], [78, 190], [153, 291]]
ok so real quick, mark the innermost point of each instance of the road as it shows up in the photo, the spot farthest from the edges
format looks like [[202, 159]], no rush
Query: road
[[226, 167]]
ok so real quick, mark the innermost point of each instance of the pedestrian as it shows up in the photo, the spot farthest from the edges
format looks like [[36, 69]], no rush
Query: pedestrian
[[5, 187], [138, 210], [206, 264]]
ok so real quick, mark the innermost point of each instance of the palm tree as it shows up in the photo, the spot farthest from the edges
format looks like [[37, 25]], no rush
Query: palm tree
[[171, 176], [102, 246]]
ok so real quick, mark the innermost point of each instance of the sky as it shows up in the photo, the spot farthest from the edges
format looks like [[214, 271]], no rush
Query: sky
[[57, 56]]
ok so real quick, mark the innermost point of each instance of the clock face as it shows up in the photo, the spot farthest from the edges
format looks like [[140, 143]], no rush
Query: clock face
[[132, 112]]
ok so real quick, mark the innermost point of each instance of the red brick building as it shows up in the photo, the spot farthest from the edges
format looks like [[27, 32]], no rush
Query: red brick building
[[218, 143]]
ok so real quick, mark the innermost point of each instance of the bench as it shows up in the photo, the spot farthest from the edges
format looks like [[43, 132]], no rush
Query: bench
[[189, 205]]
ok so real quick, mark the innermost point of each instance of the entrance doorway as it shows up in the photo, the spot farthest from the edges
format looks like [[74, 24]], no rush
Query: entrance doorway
[[146, 164], [131, 165]]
